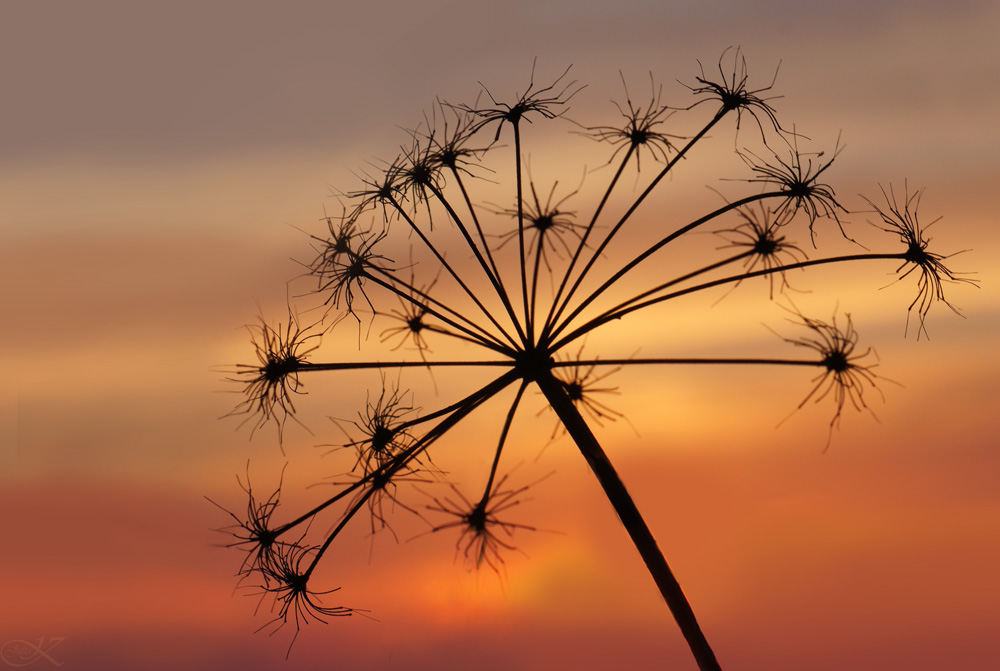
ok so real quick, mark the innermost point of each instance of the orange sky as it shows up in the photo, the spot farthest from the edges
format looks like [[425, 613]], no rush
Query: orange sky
[[154, 164]]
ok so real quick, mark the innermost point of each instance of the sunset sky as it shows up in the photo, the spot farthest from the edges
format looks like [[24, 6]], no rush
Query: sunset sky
[[158, 164]]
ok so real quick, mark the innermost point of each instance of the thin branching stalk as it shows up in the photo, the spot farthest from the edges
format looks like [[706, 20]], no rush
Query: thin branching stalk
[[451, 271], [488, 264], [628, 213], [636, 303], [553, 312], [631, 265], [473, 332], [528, 326]]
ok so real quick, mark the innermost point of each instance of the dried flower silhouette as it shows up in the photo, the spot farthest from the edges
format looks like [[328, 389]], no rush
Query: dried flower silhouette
[[508, 294], [845, 373], [483, 535], [902, 220], [271, 384]]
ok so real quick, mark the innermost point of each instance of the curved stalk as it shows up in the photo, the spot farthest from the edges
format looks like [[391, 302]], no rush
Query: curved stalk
[[632, 305]]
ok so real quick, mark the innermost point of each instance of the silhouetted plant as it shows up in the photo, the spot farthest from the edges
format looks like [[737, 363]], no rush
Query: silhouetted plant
[[527, 316]]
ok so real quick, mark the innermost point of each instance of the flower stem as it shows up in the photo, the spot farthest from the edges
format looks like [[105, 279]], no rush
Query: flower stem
[[630, 517]]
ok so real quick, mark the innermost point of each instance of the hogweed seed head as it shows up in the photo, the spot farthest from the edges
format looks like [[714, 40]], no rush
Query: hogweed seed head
[[412, 327], [582, 382], [384, 431], [338, 276], [797, 178], [483, 536], [547, 102], [759, 235], [845, 373], [546, 223], [900, 218], [505, 320], [731, 90], [255, 532], [640, 130], [447, 136], [286, 582], [270, 385]]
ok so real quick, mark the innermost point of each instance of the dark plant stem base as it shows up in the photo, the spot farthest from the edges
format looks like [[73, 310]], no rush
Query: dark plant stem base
[[636, 526]]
